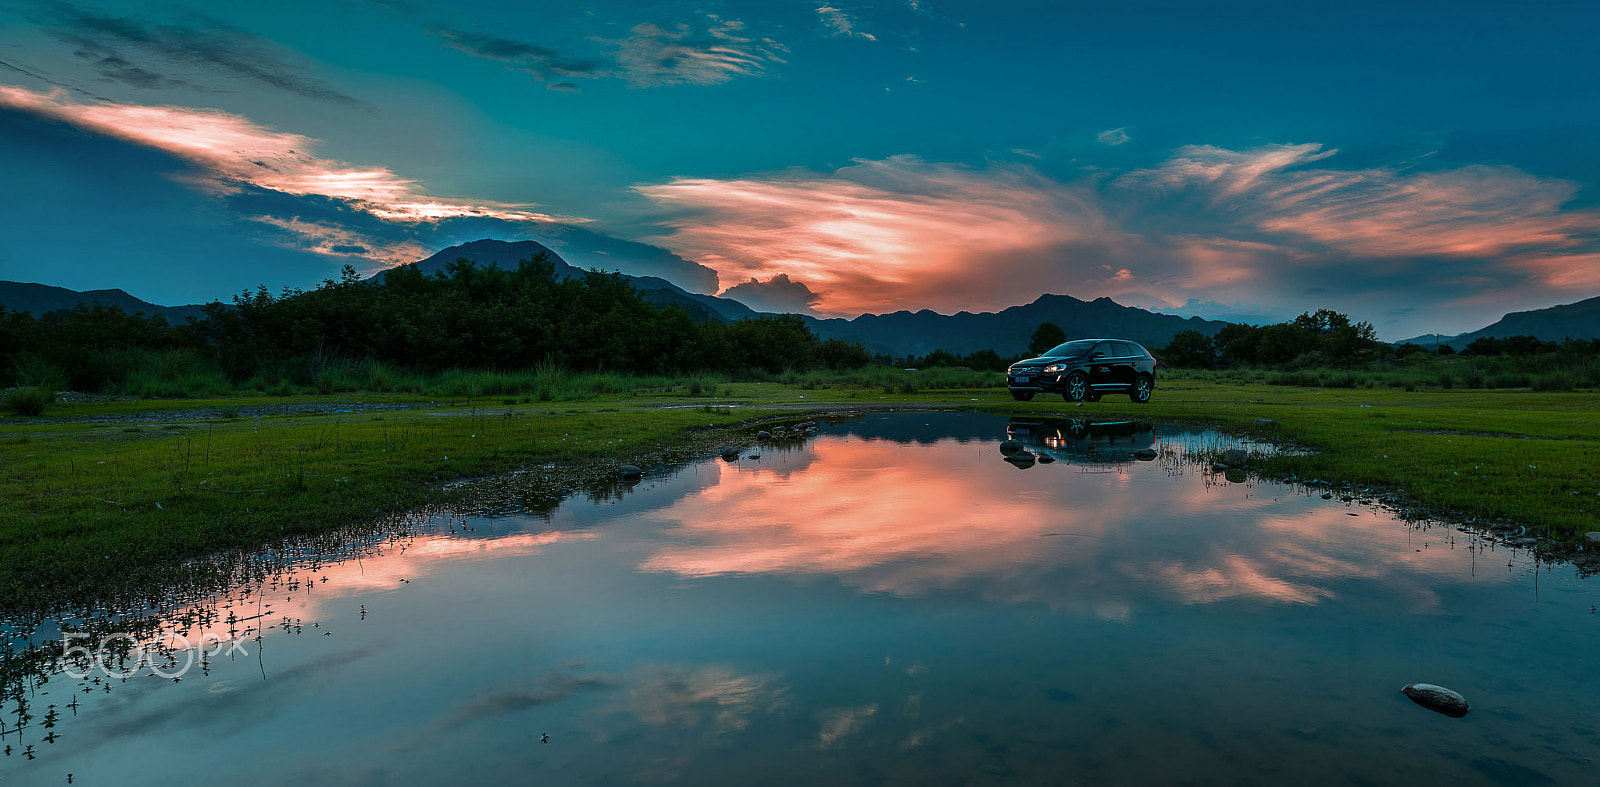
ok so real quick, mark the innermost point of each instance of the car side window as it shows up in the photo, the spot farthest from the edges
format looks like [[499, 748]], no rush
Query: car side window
[[1130, 350], [1113, 349]]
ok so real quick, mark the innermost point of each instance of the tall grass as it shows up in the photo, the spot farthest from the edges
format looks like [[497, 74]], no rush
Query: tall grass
[[895, 380], [162, 374], [34, 372], [30, 401], [1549, 373], [37, 385]]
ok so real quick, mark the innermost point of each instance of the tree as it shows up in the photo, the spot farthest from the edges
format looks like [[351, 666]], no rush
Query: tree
[[1046, 336], [1188, 348], [1282, 343], [1237, 342]]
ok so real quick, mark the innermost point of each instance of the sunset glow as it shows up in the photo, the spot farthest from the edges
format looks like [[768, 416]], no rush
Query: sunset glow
[[830, 160]]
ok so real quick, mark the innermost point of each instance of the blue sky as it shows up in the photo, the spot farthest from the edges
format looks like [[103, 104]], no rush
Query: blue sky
[[1423, 166]]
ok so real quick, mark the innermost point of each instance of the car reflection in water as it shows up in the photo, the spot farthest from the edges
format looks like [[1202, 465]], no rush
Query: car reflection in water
[[1083, 440]]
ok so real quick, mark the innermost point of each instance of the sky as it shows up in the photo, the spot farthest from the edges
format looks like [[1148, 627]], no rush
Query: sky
[[1426, 167]]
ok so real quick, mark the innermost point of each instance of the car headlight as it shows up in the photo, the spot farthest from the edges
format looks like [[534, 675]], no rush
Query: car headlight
[[1056, 367]]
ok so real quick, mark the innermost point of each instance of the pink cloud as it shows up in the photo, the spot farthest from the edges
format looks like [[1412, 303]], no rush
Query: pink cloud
[[1472, 211], [1274, 224], [879, 234], [229, 150]]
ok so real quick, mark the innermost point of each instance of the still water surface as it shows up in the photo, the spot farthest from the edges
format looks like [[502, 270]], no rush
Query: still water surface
[[889, 602]]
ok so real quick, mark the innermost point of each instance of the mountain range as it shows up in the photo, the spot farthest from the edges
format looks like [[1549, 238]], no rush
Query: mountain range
[[1579, 320], [40, 298], [900, 333]]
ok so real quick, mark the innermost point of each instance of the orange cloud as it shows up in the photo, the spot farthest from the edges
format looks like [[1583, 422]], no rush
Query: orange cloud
[[1473, 211], [877, 235], [228, 150], [410, 560], [1208, 222], [878, 518]]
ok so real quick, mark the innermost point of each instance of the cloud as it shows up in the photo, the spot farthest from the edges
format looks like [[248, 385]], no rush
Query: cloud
[[778, 294], [713, 698], [842, 24], [1472, 211], [554, 687], [840, 723], [879, 234], [1212, 310], [1275, 225], [540, 61], [238, 159], [206, 47], [1113, 137], [653, 55]]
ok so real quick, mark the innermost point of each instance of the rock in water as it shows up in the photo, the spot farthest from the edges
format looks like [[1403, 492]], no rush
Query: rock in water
[[1022, 460], [1263, 422], [763, 435], [629, 471], [730, 453], [1593, 538], [1234, 457], [1438, 698], [1236, 476], [1010, 447], [1145, 454], [1045, 459]]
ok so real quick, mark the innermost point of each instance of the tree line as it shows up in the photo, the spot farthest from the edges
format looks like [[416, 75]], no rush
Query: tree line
[[464, 316]]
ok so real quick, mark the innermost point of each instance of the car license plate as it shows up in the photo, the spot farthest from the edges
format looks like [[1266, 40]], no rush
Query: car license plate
[[1022, 379]]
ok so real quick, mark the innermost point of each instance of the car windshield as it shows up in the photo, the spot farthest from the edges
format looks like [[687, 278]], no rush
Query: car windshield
[[1079, 347]]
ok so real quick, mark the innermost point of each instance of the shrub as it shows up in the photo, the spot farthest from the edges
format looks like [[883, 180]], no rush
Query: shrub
[[29, 401], [1555, 381], [34, 372]]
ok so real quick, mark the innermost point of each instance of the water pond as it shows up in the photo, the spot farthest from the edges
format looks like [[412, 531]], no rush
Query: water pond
[[888, 601]]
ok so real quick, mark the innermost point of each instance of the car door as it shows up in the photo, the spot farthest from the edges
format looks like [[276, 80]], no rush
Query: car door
[[1123, 368], [1102, 365]]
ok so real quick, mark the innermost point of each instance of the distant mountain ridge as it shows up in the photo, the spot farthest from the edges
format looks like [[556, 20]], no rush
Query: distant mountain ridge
[[1008, 330], [506, 254], [41, 298], [1579, 320], [900, 333]]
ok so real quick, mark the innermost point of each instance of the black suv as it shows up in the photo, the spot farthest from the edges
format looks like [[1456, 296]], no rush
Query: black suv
[[1084, 370]]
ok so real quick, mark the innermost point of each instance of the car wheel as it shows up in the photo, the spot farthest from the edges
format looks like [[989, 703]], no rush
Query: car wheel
[[1022, 396], [1141, 389], [1077, 387]]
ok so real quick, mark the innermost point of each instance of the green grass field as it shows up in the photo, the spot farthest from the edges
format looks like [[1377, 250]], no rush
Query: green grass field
[[91, 507]]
